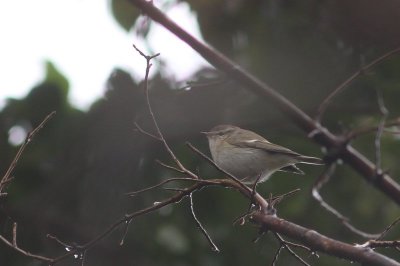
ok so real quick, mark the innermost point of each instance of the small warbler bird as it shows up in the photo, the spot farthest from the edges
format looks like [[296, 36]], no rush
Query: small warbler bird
[[250, 157]]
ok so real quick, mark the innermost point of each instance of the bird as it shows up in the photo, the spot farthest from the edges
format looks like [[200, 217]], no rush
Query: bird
[[250, 157]]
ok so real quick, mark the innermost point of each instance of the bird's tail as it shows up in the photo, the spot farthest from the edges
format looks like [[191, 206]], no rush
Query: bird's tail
[[310, 160]]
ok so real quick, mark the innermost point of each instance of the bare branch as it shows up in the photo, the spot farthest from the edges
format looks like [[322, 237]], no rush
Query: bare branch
[[322, 180], [134, 193], [368, 129], [201, 227], [14, 246], [278, 251], [170, 167], [185, 192], [126, 229], [384, 112], [387, 229], [279, 198], [159, 133], [318, 242], [62, 243], [7, 176], [141, 130], [286, 245], [14, 234]]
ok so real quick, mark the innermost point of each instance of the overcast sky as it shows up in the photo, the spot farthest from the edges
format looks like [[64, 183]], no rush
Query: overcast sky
[[84, 42]]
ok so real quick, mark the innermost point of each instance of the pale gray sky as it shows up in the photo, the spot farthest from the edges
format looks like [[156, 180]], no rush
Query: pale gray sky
[[84, 42]]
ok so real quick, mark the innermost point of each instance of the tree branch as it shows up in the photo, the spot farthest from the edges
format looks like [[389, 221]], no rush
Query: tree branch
[[319, 242], [320, 134]]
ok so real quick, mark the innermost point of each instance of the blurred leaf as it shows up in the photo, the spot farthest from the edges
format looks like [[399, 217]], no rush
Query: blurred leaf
[[124, 13], [55, 77]]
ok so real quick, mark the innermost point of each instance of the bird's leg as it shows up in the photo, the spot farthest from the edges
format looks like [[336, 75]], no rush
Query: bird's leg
[[253, 191]]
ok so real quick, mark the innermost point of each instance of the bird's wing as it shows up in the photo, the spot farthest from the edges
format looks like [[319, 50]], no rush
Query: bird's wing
[[265, 146]]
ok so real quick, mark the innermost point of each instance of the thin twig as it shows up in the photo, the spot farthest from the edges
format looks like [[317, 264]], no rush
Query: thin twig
[[126, 229], [174, 199], [278, 251], [318, 184], [272, 200], [134, 193], [6, 178], [24, 252], [201, 227], [275, 200], [261, 232], [286, 245], [170, 167], [14, 234], [296, 245], [150, 109], [387, 229], [175, 189], [384, 112], [141, 130], [169, 201], [325, 103], [68, 247], [290, 193], [185, 192], [368, 129], [14, 245]]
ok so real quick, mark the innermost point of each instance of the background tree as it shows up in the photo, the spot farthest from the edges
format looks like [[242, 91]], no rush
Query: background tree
[[71, 181]]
